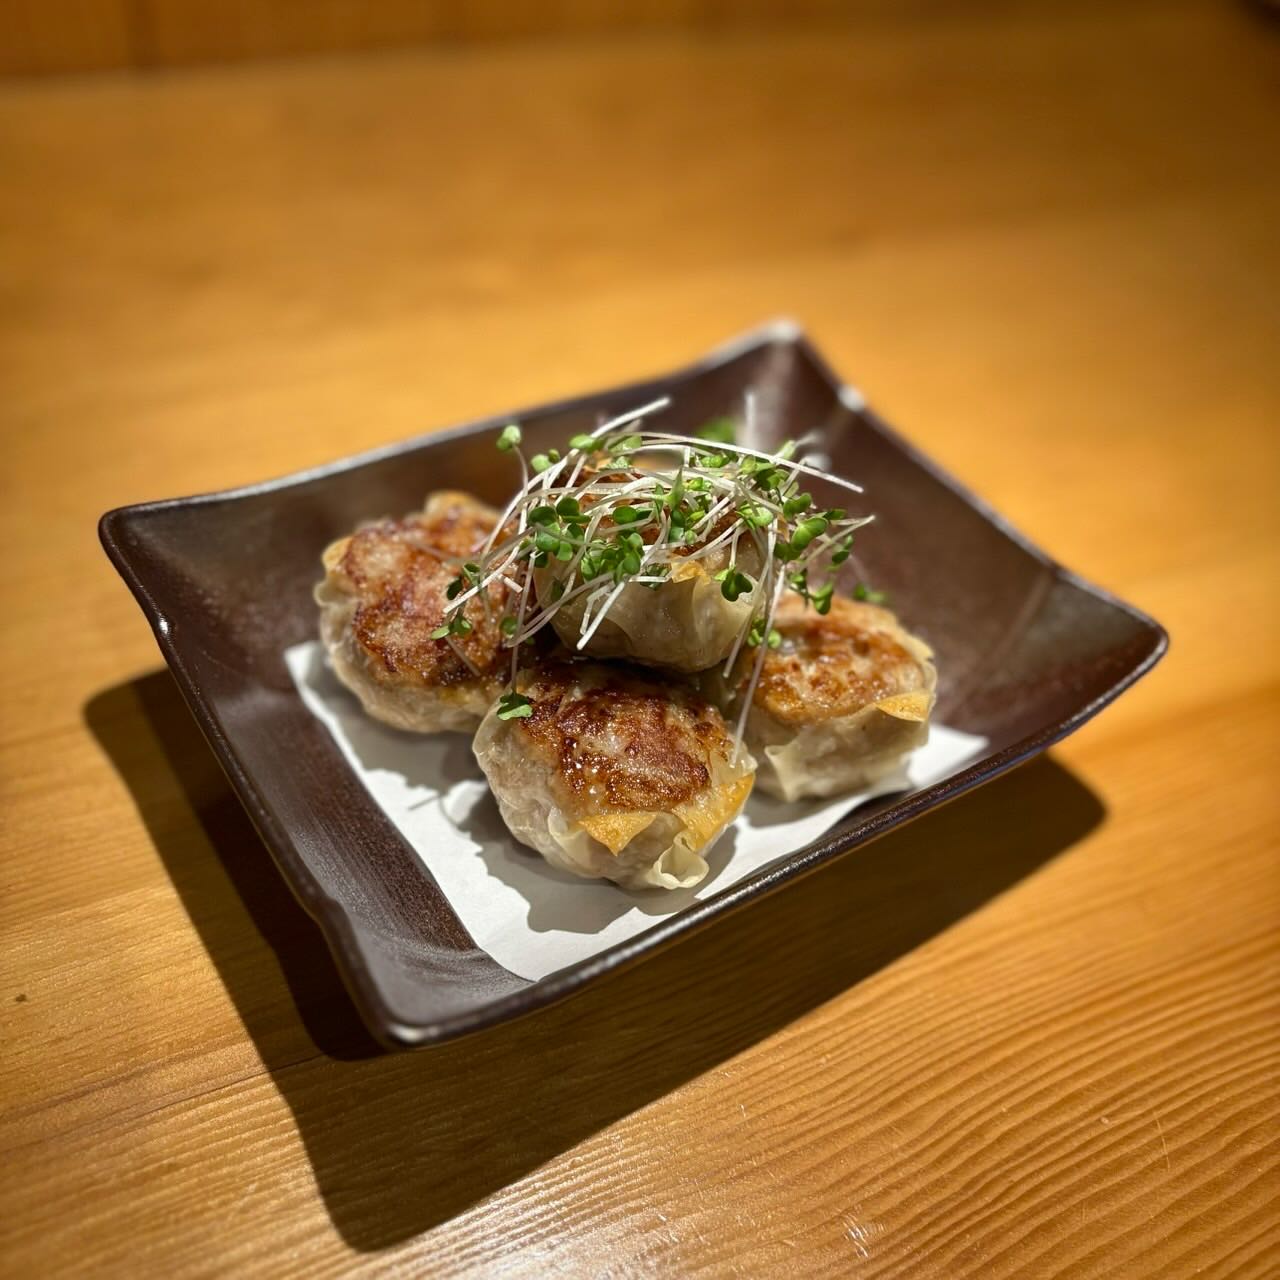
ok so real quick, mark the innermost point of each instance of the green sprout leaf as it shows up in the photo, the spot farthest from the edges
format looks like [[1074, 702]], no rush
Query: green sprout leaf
[[514, 706], [806, 531], [620, 447], [611, 520], [456, 626], [757, 633], [719, 431], [843, 549], [756, 516], [734, 584], [864, 592]]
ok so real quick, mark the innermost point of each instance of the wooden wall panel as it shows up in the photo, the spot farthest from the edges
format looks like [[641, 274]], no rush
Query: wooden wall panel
[[43, 36], [187, 31]]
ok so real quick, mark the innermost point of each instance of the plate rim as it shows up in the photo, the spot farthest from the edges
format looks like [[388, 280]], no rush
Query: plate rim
[[331, 916]]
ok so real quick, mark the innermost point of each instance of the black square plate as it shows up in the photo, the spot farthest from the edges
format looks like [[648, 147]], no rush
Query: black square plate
[[1026, 653]]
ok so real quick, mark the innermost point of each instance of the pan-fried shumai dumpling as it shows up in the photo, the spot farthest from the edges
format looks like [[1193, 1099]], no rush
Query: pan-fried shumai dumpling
[[685, 624], [614, 775], [383, 595], [840, 702]]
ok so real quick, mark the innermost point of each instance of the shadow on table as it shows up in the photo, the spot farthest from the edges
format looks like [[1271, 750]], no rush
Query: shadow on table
[[401, 1143]]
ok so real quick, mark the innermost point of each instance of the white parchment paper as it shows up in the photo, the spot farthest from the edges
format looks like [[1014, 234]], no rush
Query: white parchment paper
[[529, 917]]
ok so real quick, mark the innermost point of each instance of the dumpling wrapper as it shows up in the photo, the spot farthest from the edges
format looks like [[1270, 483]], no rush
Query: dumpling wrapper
[[685, 625], [840, 703], [614, 775], [382, 596]]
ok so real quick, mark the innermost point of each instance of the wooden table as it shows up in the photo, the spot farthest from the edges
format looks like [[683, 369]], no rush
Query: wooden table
[[1034, 1034]]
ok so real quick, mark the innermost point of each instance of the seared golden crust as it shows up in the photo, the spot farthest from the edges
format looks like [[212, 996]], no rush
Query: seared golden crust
[[385, 591], [618, 741], [840, 703], [614, 776], [833, 665], [398, 572]]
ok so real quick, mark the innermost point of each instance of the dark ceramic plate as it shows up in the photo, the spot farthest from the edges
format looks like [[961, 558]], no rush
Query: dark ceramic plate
[[1027, 652]]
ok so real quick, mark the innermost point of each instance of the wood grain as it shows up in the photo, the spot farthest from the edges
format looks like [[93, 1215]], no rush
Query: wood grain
[[39, 37], [1034, 1034]]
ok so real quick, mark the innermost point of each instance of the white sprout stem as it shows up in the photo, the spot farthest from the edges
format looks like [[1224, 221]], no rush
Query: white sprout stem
[[762, 652], [733, 548], [484, 582], [511, 506], [501, 523], [546, 477], [745, 630], [577, 470], [515, 646], [632, 415], [513, 555], [700, 552], [651, 551], [570, 569], [590, 585], [755, 512], [461, 656], [585, 638], [720, 505], [579, 456], [791, 464], [827, 544]]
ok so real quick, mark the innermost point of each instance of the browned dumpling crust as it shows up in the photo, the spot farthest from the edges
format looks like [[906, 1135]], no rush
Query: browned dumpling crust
[[840, 702], [615, 774], [383, 595]]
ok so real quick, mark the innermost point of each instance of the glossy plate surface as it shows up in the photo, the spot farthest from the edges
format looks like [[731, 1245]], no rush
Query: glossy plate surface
[[1026, 653]]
